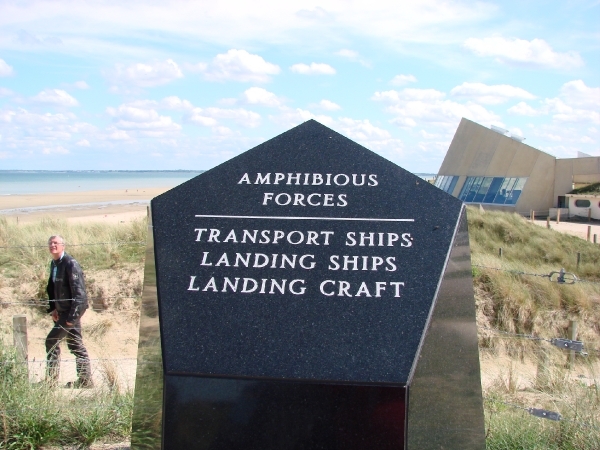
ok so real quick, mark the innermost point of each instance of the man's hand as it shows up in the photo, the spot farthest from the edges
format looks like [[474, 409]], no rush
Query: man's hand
[[55, 315], [69, 324]]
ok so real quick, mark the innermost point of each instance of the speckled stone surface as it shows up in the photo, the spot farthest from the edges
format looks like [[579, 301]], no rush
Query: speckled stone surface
[[311, 295], [310, 336]]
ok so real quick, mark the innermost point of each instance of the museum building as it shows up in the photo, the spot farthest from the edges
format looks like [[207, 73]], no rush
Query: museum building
[[487, 166]]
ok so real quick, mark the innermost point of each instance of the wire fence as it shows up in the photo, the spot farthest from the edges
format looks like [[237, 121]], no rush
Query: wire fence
[[559, 276], [78, 245]]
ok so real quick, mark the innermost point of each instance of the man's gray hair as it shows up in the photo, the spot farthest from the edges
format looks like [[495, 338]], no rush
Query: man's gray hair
[[57, 236]]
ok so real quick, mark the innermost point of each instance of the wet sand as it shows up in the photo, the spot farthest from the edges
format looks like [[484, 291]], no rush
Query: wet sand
[[111, 206]]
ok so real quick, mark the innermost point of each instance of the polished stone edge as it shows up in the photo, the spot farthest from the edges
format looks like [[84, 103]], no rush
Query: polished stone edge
[[445, 408], [148, 399]]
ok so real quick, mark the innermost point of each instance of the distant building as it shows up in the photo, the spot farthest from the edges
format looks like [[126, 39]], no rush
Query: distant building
[[585, 202], [489, 167]]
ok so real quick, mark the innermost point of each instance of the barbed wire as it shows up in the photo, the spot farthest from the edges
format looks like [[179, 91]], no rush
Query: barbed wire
[[561, 277], [44, 361], [562, 343], [42, 301], [78, 245], [542, 413]]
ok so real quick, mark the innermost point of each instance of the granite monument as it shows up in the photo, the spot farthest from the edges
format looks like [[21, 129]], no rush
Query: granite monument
[[308, 294]]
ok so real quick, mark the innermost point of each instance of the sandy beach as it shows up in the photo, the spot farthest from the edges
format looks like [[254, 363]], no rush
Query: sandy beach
[[111, 206]]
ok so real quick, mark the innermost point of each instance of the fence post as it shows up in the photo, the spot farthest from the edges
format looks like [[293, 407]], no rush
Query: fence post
[[578, 259], [543, 368], [500, 253], [532, 216], [573, 337], [548, 221], [558, 216], [20, 336], [595, 238], [589, 235], [590, 215]]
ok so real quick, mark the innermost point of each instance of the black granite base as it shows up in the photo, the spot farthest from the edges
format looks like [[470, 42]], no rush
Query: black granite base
[[242, 414]]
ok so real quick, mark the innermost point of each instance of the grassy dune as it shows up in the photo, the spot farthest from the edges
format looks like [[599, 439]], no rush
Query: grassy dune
[[525, 373], [531, 373]]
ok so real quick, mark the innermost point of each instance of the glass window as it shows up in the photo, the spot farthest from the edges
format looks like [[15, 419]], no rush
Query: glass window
[[485, 185], [446, 182], [452, 185], [498, 190], [516, 191], [466, 187], [493, 190], [474, 188], [582, 203], [501, 195]]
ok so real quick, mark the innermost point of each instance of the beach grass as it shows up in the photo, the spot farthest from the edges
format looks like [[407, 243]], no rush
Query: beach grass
[[513, 292], [24, 256], [35, 415], [516, 300]]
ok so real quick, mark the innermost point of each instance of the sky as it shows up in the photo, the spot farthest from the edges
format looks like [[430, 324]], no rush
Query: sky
[[153, 85]]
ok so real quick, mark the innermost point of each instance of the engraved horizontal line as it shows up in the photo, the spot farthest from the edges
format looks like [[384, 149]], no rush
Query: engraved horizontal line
[[364, 219]]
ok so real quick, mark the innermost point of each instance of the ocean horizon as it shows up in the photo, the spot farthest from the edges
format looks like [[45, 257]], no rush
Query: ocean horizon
[[22, 182]]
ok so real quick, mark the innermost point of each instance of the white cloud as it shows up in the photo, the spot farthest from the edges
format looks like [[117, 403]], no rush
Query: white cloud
[[409, 94], [142, 75], [5, 69], [328, 105], [209, 117], [239, 65], [57, 150], [313, 69], [56, 97], [142, 121], [290, 117], [346, 53], [352, 55], [411, 107], [199, 118], [92, 27], [490, 94], [576, 93], [401, 80], [175, 103], [523, 109], [83, 143], [117, 135], [260, 96], [361, 130], [536, 52], [4, 92], [81, 85]]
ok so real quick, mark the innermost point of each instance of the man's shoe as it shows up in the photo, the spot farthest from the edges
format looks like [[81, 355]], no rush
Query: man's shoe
[[80, 384]]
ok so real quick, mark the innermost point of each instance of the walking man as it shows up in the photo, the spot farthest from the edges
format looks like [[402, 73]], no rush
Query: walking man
[[68, 302]]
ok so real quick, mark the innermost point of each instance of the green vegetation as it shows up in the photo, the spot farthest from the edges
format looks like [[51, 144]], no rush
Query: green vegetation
[[96, 246], [512, 298], [36, 415], [513, 294], [589, 189], [526, 303]]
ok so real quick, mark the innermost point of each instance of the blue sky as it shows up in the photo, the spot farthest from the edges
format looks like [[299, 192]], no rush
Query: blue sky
[[187, 85]]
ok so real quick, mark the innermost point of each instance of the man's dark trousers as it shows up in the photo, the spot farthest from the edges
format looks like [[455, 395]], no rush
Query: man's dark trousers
[[75, 344]]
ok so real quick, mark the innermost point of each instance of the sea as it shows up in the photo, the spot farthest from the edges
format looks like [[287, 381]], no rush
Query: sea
[[18, 182]]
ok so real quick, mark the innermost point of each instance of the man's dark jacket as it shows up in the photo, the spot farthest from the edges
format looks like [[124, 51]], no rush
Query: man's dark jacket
[[68, 288]]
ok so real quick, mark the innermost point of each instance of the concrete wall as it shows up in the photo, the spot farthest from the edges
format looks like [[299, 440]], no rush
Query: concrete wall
[[575, 170], [478, 151], [583, 212]]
